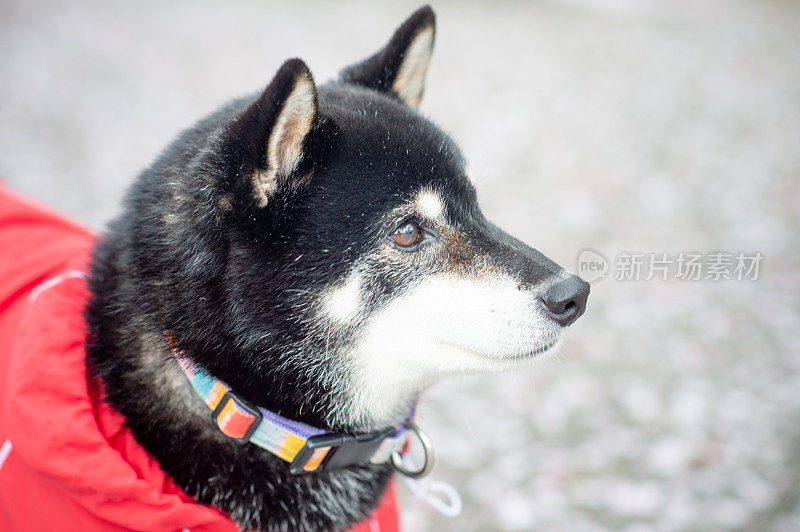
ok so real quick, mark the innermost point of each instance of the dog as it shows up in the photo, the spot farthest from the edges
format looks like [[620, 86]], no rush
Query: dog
[[310, 258]]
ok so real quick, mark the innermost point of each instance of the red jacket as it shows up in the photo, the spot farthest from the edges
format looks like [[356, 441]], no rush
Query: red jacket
[[67, 461]]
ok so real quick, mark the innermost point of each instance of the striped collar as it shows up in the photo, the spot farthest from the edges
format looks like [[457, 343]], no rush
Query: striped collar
[[306, 448]]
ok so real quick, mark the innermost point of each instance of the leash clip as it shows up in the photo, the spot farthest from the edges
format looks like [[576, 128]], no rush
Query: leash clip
[[427, 447]]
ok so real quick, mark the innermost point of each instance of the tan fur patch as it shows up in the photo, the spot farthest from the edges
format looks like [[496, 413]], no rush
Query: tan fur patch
[[455, 254], [410, 81], [285, 145], [226, 202]]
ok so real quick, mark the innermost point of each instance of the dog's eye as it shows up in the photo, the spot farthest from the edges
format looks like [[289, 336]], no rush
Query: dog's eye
[[407, 235]]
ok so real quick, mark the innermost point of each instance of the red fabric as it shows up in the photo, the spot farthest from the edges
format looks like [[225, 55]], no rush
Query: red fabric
[[67, 462]]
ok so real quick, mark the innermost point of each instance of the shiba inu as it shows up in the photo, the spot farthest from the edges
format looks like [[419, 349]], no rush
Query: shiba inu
[[309, 256]]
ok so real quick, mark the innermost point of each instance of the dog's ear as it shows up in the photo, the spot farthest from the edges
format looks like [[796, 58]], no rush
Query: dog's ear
[[400, 67], [273, 135]]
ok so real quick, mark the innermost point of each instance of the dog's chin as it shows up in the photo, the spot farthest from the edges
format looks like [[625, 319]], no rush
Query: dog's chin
[[514, 359], [548, 348]]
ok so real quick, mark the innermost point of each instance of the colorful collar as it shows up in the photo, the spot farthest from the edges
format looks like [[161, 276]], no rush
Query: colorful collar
[[306, 448]]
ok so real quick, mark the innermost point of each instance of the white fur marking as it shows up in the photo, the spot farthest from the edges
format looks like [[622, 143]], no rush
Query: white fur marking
[[429, 204], [343, 302], [461, 325]]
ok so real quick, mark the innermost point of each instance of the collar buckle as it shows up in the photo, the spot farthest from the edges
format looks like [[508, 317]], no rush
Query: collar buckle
[[236, 418], [342, 450]]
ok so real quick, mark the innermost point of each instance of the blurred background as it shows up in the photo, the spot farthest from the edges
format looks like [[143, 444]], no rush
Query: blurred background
[[617, 125]]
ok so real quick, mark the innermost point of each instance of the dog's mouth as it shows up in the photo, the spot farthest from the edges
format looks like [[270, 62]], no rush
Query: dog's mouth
[[528, 355]]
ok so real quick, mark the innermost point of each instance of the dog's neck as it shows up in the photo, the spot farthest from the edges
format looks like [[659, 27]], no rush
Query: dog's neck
[[330, 409], [335, 411]]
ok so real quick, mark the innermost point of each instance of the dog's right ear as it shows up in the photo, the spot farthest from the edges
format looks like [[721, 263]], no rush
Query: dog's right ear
[[272, 137]]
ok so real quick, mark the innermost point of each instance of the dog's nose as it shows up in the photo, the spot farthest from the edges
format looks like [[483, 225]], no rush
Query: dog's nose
[[565, 301]]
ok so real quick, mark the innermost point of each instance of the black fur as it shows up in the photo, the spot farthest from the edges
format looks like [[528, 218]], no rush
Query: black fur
[[234, 282], [186, 274]]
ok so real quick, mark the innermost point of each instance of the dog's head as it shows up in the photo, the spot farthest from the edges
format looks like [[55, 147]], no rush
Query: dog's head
[[356, 257]]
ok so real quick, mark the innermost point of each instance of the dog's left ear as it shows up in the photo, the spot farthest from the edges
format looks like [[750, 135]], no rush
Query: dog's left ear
[[400, 67]]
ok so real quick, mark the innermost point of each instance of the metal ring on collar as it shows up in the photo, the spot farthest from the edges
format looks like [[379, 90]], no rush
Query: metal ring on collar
[[427, 446]]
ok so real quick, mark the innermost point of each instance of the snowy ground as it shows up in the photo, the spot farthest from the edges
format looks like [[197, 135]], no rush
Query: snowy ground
[[618, 125]]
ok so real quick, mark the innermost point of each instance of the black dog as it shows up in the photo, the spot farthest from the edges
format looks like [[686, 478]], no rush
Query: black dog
[[320, 250]]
